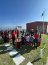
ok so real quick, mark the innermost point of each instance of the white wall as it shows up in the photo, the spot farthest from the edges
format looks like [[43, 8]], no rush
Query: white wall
[[47, 28]]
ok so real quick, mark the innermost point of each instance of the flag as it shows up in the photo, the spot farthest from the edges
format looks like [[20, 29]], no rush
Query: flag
[[43, 13]]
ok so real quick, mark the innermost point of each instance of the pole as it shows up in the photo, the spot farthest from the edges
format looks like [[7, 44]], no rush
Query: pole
[[43, 20]]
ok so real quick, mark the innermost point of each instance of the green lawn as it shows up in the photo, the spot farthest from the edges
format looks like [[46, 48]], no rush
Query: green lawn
[[4, 57], [44, 38], [31, 54], [44, 45]]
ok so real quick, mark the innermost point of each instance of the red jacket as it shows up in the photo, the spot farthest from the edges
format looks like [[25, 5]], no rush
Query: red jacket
[[13, 34], [36, 36]]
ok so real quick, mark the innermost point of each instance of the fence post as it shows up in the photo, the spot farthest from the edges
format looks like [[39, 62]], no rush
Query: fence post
[[41, 53], [47, 61]]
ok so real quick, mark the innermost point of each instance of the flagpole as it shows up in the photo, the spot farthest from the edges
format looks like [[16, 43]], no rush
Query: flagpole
[[43, 24], [43, 19]]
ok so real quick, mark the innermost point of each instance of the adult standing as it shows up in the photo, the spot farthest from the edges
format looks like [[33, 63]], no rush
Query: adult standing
[[13, 37]]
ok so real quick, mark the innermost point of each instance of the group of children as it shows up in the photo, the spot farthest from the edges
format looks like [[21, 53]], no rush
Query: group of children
[[33, 38], [8, 35]]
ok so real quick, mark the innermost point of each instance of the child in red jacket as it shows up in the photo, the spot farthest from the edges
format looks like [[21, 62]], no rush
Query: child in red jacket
[[36, 36]]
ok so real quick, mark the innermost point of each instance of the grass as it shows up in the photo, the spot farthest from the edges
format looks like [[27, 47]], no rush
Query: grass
[[0, 41], [31, 54], [44, 45], [4, 57], [44, 38], [45, 54]]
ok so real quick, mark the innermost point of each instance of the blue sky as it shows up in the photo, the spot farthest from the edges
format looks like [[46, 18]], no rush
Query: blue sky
[[20, 12]]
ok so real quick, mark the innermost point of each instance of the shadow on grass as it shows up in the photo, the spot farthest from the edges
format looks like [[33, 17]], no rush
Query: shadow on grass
[[36, 60], [2, 47], [24, 49], [14, 55], [3, 50]]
